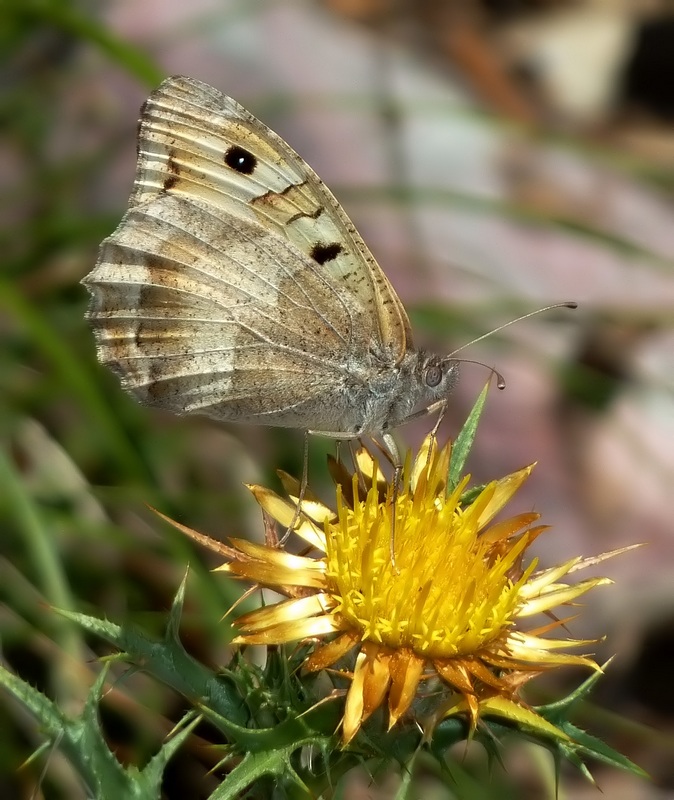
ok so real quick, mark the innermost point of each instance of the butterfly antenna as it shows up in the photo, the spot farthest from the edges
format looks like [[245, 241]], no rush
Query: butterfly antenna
[[500, 380], [569, 304]]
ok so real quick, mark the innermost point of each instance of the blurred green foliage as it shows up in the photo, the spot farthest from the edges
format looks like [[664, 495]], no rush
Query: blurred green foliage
[[79, 460]]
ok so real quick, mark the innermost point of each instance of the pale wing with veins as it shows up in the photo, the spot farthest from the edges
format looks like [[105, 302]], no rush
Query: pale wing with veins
[[235, 285]]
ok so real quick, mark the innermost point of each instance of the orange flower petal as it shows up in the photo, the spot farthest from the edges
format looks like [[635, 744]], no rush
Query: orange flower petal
[[274, 576], [290, 631], [456, 674], [560, 595], [353, 709], [406, 671], [325, 655], [504, 489], [376, 679], [286, 611]]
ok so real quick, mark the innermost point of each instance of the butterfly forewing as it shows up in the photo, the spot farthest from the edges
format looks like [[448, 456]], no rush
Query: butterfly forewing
[[235, 285], [192, 135]]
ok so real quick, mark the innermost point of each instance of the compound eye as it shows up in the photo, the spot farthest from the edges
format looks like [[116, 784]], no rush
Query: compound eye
[[433, 376]]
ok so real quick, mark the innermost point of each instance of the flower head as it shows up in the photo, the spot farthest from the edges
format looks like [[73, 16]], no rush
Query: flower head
[[445, 601]]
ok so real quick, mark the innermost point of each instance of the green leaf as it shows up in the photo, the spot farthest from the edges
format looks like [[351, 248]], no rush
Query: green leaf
[[81, 740], [294, 732], [590, 746], [464, 441], [154, 770], [173, 624], [406, 791], [253, 767], [559, 711], [582, 744], [168, 662]]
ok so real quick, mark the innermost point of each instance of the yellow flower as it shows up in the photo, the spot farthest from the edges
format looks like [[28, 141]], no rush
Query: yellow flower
[[447, 610]]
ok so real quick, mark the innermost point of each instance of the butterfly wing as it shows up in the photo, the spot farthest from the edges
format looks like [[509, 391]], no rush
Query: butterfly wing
[[235, 285]]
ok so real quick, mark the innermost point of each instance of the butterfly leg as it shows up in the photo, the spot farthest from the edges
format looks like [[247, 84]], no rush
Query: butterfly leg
[[303, 490], [440, 407], [305, 475], [340, 436], [394, 452], [388, 446], [389, 442]]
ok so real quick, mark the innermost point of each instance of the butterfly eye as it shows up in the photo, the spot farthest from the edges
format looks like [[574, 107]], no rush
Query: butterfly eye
[[241, 160], [433, 375]]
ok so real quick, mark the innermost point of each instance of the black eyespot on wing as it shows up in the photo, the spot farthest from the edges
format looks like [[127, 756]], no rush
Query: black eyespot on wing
[[241, 160], [321, 253], [433, 375]]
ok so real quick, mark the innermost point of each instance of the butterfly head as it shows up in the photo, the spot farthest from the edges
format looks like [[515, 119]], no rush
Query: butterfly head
[[424, 380], [436, 377]]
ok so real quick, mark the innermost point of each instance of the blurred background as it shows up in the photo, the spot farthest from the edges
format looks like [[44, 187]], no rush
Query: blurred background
[[497, 156]]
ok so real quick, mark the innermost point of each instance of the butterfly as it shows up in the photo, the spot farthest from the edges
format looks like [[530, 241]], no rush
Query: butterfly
[[235, 285]]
